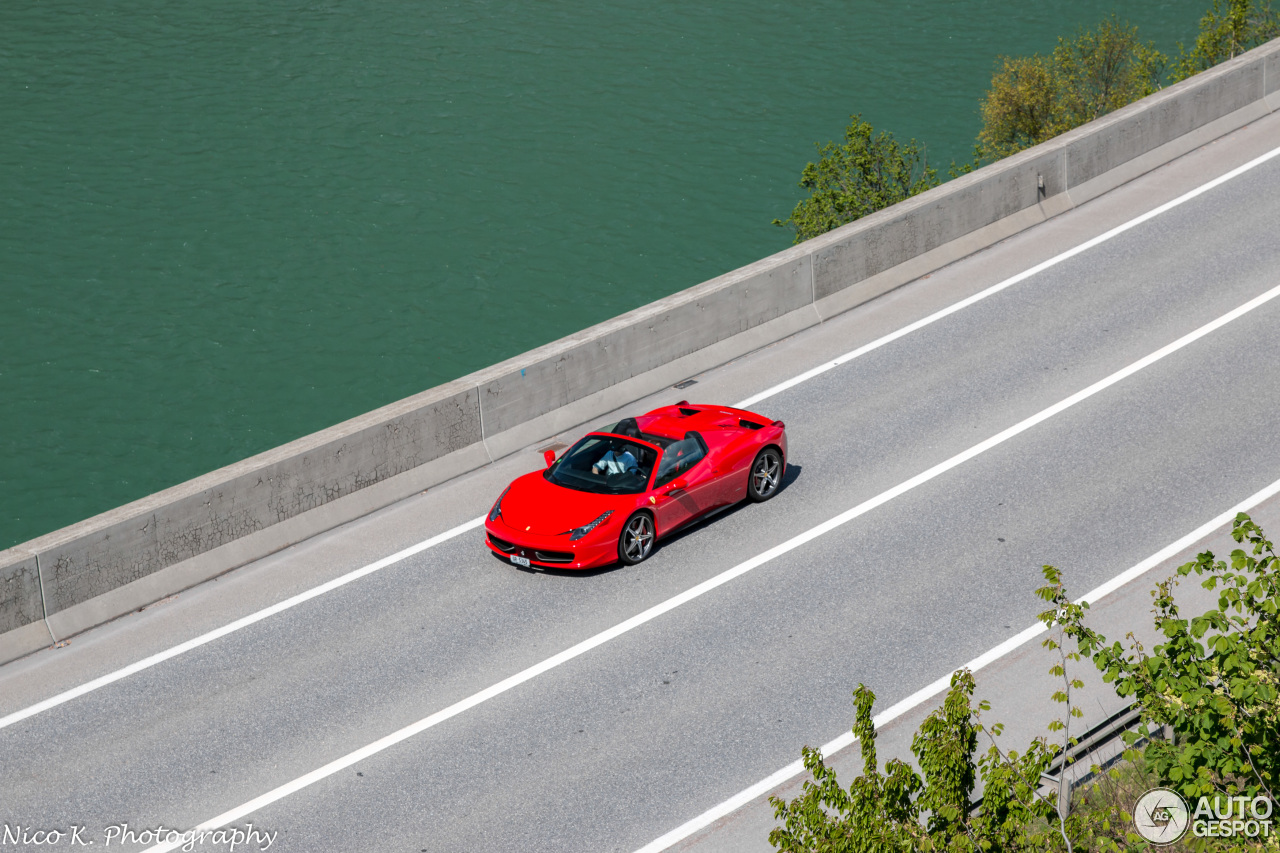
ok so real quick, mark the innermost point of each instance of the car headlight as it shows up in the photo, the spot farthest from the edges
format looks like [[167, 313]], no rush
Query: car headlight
[[578, 532], [497, 505]]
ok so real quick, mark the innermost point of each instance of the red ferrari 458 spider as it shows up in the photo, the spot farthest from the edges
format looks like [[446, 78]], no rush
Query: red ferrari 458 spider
[[616, 492]]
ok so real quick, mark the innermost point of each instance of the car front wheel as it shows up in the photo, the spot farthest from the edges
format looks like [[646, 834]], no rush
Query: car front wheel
[[636, 541], [766, 475]]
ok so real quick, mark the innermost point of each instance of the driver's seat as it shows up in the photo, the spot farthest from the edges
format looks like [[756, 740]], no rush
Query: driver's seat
[[637, 453]]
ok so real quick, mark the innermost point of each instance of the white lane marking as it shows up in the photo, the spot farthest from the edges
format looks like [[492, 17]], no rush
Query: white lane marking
[[712, 583], [243, 622], [1008, 282], [896, 710], [196, 642]]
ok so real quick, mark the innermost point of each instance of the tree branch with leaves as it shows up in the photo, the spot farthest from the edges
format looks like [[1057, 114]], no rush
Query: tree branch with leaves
[[868, 172], [1213, 679]]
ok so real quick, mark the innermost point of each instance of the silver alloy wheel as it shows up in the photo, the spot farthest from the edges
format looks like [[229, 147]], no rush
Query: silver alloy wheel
[[765, 474], [637, 538]]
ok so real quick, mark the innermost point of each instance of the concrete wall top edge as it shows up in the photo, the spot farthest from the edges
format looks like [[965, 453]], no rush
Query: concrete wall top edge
[[1042, 158], [614, 351], [451, 392], [1207, 79], [315, 442], [790, 255], [15, 555], [706, 290]]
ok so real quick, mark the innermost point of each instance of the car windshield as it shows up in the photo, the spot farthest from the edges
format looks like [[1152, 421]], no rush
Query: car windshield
[[605, 464]]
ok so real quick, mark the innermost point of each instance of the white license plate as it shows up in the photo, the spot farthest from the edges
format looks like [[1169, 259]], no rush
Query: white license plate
[[520, 561]]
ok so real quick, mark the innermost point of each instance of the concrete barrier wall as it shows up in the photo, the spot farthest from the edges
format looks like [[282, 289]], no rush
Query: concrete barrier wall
[[575, 367], [20, 600], [183, 522], [1271, 76], [123, 559]]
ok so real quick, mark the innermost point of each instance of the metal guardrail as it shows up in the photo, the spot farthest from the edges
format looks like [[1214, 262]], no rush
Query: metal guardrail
[[1093, 741]]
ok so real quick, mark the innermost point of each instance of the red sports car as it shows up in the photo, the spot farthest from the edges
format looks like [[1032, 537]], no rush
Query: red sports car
[[612, 495]]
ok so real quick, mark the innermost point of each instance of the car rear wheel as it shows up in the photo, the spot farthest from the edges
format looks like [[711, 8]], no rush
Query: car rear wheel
[[636, 541], [766, 475]]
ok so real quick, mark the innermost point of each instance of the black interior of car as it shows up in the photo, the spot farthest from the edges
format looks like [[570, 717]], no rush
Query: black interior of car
[[679, 457]]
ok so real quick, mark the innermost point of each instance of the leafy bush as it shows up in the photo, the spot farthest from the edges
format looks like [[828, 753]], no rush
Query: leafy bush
[[900, 810], [1214, 679], [1035, 98], [1228, 30], [868, 172]]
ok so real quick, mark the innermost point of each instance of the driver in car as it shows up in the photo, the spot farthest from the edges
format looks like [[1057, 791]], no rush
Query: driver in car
[[618, 462]]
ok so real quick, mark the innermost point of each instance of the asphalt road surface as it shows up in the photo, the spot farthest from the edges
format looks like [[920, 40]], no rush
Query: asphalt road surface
[[617, 745]]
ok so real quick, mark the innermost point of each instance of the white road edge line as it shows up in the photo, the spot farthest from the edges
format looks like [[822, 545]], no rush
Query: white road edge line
[[231, 627], [196, 642], [706, 586], [921, 696]]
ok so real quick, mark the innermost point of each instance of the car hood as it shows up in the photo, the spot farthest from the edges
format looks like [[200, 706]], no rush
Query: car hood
[[536, 505]]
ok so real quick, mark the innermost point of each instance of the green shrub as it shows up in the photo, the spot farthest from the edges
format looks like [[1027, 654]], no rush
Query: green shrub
[[1213, 680], [1035, 98], [902, 810], [1226, 31], [868, 172]]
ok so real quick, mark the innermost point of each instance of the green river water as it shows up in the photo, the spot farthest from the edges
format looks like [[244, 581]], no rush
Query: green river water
[[227, 224]]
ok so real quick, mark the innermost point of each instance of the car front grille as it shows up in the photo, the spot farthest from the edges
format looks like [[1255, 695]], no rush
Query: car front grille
[[502, 544], [541, 556]]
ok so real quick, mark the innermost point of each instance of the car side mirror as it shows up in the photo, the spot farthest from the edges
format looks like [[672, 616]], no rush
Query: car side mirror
[[549, 456], [677, 484]]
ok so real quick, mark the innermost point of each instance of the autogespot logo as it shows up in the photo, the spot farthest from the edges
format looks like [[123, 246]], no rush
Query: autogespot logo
[[1161, 816]]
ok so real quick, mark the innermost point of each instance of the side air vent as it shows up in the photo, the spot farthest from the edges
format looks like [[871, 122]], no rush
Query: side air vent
[[749, 425], [688, 413]]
